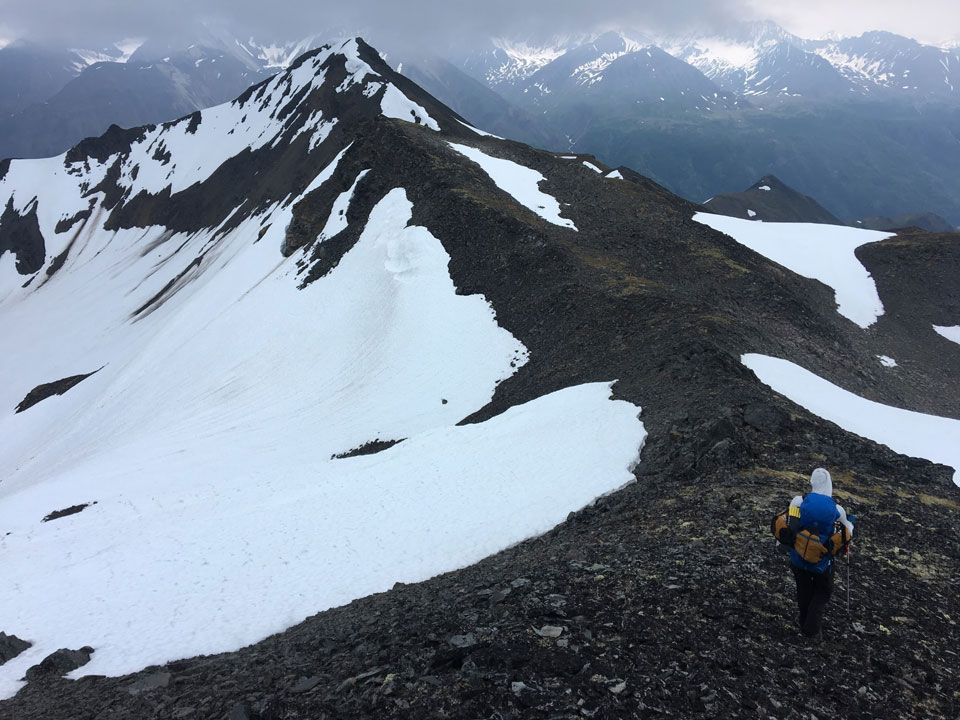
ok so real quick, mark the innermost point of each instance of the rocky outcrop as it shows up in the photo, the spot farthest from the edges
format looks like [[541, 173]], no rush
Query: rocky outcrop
[[11, 646], [59, 663], [57, 387], [20, 234]]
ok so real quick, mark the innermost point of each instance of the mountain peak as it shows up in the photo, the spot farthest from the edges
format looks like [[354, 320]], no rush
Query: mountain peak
[[771, 200]]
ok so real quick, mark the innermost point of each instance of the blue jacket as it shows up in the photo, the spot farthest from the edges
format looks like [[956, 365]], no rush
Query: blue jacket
[[818, 513]]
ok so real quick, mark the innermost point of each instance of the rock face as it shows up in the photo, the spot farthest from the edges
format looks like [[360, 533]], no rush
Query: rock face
[[20, 235], [59, 663], [11, 646], [667, 597], [42, 392]]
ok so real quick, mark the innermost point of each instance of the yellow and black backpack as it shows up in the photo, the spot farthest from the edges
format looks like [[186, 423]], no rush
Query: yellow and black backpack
[[808, 544]]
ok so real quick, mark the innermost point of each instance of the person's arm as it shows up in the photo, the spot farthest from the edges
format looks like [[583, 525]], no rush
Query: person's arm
[[793, 512], [847, 523], [789, 533]]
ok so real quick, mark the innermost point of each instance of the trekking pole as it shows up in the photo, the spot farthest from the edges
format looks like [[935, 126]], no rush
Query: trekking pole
[[848, 579]]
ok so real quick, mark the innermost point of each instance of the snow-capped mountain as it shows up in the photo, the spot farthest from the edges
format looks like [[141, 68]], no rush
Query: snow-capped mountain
[[118, 52], [885, 61], [507, 63], [764, 60], [295, 355], [277, 55], [730, 59], [611, 69], [580, 66], [129, 83], [128, 94]]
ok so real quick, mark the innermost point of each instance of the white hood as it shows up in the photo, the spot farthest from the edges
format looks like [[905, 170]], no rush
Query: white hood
[[821, 483]]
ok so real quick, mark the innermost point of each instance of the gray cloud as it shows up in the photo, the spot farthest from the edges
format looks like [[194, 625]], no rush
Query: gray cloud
[[933, 21], [83, 22], [437, 23]]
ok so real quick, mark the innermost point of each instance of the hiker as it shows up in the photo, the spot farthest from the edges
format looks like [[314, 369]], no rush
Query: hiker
[[810, 535]]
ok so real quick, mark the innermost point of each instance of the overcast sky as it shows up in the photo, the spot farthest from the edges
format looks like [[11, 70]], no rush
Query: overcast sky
[[85, 23]]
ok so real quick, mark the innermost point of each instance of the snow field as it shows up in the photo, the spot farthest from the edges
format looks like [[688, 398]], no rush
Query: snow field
[[521, 183], [934, 438], [820, 252], [207, 441]]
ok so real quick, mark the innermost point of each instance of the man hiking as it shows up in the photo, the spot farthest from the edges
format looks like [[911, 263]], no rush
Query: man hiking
[[815, 529]]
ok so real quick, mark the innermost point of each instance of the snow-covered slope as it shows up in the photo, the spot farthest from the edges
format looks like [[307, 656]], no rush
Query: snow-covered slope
[[821, 252], [211, 438], [928, 436]]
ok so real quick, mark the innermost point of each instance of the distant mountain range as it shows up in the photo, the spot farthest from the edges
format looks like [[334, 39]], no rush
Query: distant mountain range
[[51, 99], [758, 60], [870, 125]]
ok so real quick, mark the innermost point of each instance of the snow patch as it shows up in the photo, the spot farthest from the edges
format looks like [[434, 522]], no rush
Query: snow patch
[[887, 361], [326, 173], [820, 252], [478, 131], [751, 213], [397, 105], [519, 182], [337, 221], [765, 188], [593, 167], [615, 175], [950, 332], [934, 438]]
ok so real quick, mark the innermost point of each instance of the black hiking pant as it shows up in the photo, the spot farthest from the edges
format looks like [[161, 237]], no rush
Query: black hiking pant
[[813, 592]]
